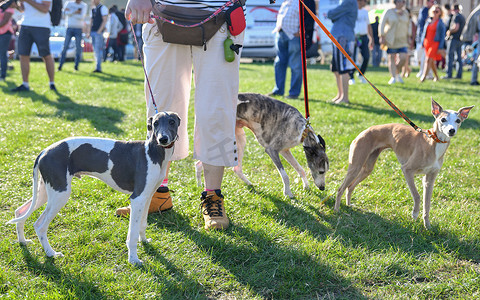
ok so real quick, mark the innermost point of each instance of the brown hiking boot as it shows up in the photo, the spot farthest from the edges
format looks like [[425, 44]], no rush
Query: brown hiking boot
[[213, 210], [161, 201]]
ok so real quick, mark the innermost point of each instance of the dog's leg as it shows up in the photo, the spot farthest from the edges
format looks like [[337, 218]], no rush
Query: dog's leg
[[294, 163], [428, 182], [143, 224], [241, 139], [41, 200], [56, 200], [199, 172], [278, 163], [352, 173], [409, 177], [364, 173], [137, 207]]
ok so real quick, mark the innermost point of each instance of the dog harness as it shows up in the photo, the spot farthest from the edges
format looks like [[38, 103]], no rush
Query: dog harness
[[431, 134]]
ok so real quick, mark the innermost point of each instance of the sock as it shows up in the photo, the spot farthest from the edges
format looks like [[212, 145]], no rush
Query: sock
[[52, 82], [164, 183], [25, 84]]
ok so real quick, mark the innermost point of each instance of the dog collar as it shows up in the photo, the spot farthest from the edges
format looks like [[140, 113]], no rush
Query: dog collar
[[305, 132], [168, 146], [171, 144], [431, 134]]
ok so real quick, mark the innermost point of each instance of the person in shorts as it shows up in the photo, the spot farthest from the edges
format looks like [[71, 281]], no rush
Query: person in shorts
[[343, 18], [35, 29], [395, 31]]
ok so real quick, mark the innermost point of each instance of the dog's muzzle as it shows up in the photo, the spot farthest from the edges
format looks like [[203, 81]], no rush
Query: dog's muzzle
[[165, 142], [451, 132]]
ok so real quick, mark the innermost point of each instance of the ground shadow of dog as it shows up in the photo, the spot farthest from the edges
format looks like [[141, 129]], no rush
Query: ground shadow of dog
[[69, 283]]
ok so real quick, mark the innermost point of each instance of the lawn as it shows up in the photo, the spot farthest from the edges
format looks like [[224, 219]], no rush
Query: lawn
[[276, 248]]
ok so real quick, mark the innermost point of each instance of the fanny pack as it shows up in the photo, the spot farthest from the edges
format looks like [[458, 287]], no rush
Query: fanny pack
[[188, 26]]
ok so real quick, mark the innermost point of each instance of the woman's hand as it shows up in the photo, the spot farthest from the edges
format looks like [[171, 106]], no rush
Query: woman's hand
[[138, 11]]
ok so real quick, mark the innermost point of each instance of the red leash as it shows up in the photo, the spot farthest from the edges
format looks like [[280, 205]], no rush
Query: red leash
[[304, 59], [393, 106]]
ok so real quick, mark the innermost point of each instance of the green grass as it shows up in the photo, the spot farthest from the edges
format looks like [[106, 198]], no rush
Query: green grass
[[276, 247]]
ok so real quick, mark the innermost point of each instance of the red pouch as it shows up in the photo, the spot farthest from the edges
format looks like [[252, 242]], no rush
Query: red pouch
[[235, 19]]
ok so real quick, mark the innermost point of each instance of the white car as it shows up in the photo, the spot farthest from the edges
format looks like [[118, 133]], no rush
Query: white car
[[259, 41]]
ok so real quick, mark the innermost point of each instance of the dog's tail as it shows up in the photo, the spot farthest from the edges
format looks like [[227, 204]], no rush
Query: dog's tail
[[29, 207]]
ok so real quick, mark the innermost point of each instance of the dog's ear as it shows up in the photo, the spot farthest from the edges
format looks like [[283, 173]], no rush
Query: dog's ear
[[149, 124], [178, 118], [464, 111], [436, 108], [322, 141]]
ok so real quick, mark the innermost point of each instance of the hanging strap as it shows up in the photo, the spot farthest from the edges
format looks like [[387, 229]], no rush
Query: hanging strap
[[393, 106], [304, 59]]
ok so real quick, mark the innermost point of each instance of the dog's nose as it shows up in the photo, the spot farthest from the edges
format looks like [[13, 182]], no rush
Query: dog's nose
[[322, 188], [451, 132], [163, 140]]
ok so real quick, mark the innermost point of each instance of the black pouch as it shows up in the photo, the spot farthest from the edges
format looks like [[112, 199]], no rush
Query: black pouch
[[235, 19], [195, 36]]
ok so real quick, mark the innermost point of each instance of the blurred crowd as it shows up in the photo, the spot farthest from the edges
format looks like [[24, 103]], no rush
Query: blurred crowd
[[105, 31], [439, 38]]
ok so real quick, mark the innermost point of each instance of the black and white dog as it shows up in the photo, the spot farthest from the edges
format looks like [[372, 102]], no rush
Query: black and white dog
[[278, 127], [136, 168]]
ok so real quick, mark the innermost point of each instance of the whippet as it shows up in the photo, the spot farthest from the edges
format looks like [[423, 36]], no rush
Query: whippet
[[417, 152], [278, 127], [135, 168]]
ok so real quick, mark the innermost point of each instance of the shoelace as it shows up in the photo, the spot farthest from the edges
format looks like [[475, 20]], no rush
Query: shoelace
[[213, 208]]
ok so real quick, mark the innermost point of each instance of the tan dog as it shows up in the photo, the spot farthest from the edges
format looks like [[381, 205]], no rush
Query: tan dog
[[416, 152]]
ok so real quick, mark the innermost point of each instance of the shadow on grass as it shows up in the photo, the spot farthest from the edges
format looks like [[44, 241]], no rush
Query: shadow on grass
[[257, 261], [68, 284], [370, 230], [71, 111], [172, 290], [105, 77]]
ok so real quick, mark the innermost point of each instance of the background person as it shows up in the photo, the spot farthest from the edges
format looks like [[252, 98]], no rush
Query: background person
[[377, 52], [420, 52], [433, 41], [394, 33], [75, 12], [35, 29], [113, 28], [454, 44], [363, 40], [343, 18], [287, 45], [406, 70], [6, 31], [472, 27], [97, 27]]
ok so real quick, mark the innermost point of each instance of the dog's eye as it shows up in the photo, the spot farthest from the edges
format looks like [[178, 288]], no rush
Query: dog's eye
[[155, 123], [171, 122], [458, 121], [443, 120]]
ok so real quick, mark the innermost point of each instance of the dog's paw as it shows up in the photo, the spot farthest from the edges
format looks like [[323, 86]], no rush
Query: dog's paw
[[25, 242], [135, 261], [415, 214], [54, 254], [427, 225]]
